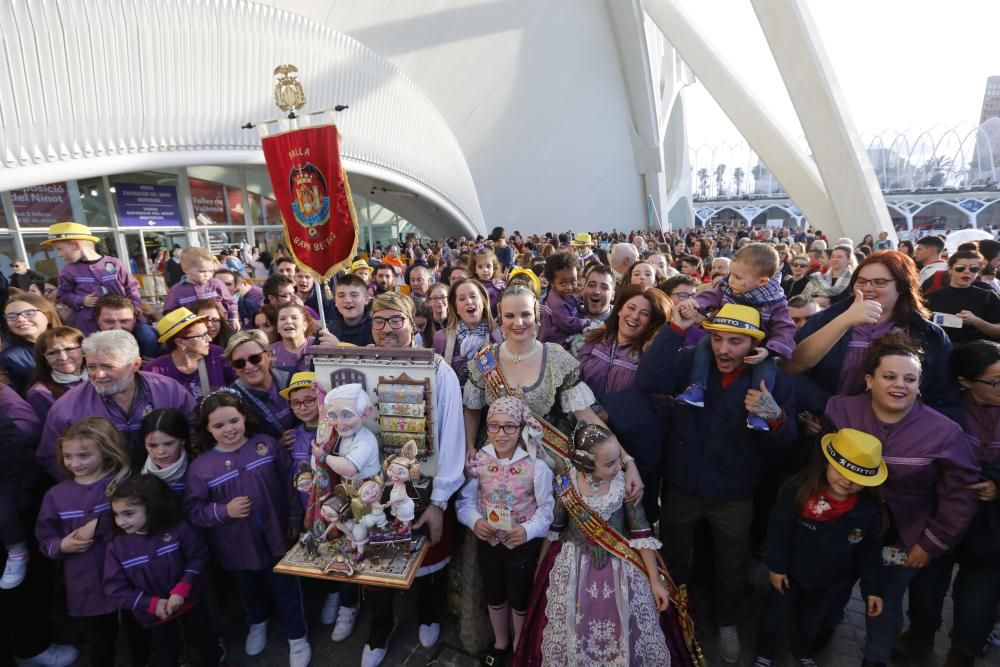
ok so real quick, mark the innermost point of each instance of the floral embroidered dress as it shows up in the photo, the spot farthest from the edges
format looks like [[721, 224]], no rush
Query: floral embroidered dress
[[590, 608]]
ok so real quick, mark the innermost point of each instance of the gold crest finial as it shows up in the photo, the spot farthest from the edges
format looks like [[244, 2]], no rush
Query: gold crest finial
[[288, 92]]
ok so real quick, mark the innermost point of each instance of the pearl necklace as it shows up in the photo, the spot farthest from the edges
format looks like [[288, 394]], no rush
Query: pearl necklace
[[518, 358]]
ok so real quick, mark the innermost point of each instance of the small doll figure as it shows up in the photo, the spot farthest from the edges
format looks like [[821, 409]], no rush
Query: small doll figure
[[367, 512], [354, 455], [331, 513], [400, 469]]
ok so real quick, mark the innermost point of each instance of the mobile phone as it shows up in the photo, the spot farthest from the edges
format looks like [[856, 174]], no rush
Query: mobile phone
[[947, 320]]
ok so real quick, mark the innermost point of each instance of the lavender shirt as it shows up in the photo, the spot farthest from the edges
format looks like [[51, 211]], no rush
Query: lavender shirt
[[982, 423], [260, 469], [41, 397], [108, 275], [608, 368], [292, 361], [139, 569], [931, 462], [154, 392], [852, 369], [185, 294], [66, 507], [220, 373], [560, 319]]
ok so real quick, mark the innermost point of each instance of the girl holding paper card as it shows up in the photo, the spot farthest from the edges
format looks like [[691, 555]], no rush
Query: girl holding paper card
[[508, 503]]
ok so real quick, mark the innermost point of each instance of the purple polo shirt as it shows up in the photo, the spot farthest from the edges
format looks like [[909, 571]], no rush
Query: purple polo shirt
[[66, 507], [154, 392], [260, 469], [142, 569], [107, 275], [931, 462], [220, 373], [185, 294]]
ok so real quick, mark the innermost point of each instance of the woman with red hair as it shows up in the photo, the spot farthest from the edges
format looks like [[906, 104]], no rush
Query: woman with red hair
[[886, 297]]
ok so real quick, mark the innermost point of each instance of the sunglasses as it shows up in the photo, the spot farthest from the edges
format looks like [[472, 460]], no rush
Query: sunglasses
[[253, 360], [960, 268], [800, 265]]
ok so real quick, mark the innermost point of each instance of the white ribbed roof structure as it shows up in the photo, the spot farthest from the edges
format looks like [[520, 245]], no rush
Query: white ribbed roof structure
[[91, 87]]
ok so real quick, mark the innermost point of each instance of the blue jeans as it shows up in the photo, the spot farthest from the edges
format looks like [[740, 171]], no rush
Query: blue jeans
[[254, 586], [882, 630], [976, 594], [702, 362]]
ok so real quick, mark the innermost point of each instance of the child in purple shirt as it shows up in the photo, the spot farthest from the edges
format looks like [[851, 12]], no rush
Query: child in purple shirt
[[87, 274], [75, 522], [753, 281], [240, 491], [560, 308], [154, 568], [199, 282]]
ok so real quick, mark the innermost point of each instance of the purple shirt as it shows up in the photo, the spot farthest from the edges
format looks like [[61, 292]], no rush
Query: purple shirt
[[560, 319], [154, 392], [260, 469], [292, 361], [66, 507], [608, 367], [852, 369], [982, 423], [139, 570], [108, 275], [185, 294], [41, 397], [930, 461], [220, 373], [774, 319]]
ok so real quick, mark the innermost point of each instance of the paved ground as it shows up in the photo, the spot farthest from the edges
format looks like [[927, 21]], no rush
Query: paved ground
[[843, 651]]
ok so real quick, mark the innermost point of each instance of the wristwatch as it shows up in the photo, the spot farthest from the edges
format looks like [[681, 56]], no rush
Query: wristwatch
[[440, 504]]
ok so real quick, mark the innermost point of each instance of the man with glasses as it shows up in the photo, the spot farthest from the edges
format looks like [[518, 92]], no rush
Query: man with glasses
[[22, 276], [116, 390], [392, 326], [279, 290]]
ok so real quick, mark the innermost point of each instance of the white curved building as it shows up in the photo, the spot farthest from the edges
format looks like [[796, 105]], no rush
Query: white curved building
[[462, 116]]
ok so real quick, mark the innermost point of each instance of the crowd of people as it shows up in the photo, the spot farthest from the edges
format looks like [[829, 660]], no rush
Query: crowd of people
[[831, 407]]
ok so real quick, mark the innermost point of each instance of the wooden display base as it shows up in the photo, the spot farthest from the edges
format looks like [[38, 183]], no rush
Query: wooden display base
[[392, 565]]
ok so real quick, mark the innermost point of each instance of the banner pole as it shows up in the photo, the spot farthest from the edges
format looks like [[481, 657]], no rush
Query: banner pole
[[319, 303]]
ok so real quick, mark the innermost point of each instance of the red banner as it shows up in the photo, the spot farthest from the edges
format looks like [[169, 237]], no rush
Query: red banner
[[314, 198]]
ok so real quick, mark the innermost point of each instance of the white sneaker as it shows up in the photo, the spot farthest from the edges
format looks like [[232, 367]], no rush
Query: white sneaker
[[429, 634], [256, 639], [56, 655], [299, 652], [729, 644], [331, 604], [372, 657], [346, 619], [15, 569]]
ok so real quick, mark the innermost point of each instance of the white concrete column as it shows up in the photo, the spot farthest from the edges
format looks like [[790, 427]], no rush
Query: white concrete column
[[812, 86]]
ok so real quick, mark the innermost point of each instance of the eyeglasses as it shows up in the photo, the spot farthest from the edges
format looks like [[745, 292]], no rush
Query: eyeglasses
[[253, 360], [213, 320], [395, 322], [201, 336], [509, 429], [57, 352], [437, 298], [877, 283], [993, 383], [960, 268], [26, 314], [304, 403], [683, 296]]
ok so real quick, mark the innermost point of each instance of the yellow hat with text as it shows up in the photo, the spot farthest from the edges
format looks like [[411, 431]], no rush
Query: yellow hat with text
[[734, 318], [301, 380], [856, 455], [176, 321]]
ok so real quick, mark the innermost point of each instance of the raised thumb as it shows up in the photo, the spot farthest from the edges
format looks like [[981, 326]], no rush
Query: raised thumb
[[859, 296]]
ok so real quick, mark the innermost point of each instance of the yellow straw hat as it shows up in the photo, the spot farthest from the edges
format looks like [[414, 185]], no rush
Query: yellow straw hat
[[582, 240], [856, 455], [734, 318], [299, 381], [69, 231], [536, 284], [176, 321], [360, 265]]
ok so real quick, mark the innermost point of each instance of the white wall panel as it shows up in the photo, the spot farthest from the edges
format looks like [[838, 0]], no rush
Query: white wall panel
[[88, 86]]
